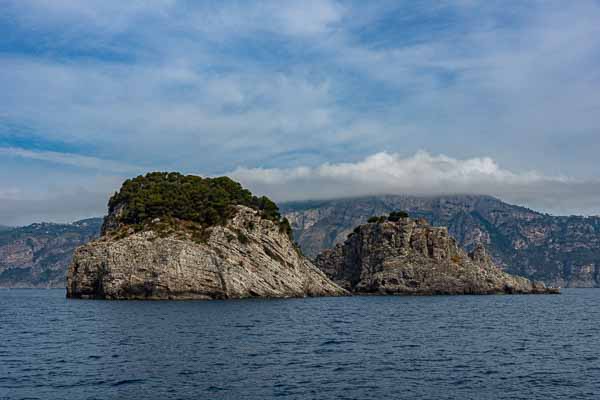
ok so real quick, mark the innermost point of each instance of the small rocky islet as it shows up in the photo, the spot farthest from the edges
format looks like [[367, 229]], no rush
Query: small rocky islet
[[174, 236], [169, 236], [400, 255]]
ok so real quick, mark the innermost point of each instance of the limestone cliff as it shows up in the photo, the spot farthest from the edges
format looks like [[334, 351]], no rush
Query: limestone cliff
[[174, 236], [248, 257], [411, 257]]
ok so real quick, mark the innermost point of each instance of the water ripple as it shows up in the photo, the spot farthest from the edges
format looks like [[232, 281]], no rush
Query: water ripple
[[491, 347]]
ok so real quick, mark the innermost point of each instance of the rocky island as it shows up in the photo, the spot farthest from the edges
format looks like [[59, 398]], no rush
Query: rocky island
[[170, 236], [558, 250], [400, 255]]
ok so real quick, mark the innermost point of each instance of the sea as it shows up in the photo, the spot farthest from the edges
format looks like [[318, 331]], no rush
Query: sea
[[440, 347]]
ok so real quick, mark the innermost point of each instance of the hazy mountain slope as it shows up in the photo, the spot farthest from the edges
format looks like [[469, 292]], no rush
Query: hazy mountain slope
[[38, 255], [561, 251]]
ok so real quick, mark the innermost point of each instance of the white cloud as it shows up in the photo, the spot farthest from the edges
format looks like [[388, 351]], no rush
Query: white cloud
[[291, 19], [423, 174], [220, 20], [107, 16], [70, 205], [10, 194], [382, 173], [56, 197], [166, 111], [310, 16], [75, 160], [308, 78]]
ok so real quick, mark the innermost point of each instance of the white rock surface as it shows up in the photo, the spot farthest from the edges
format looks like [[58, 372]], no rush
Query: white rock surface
[[249, 257]]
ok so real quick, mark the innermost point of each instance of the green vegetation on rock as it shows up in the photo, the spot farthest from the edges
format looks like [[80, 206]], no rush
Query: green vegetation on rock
[[397, 215], [393, 217], [171, 195]]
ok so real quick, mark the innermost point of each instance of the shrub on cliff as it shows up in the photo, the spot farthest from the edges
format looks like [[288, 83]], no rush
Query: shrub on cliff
[[397, 215], [208, 201], [393, 217]]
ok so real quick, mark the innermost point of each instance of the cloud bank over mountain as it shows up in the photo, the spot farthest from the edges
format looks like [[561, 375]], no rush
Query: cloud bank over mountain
[[382, 173], [423, 174]]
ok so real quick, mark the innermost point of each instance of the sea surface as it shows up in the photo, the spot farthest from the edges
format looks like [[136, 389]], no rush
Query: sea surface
[[446, 347]]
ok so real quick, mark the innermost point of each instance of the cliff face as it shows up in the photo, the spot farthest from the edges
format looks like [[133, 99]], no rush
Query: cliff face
[[250, 256], [38, 255], [561, 251], [412, 257]]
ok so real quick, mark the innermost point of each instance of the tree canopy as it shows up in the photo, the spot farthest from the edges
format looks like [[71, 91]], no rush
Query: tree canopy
[[393, 217], [208, 201]]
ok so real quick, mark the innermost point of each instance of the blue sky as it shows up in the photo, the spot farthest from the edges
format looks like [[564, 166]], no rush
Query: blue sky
[[299, 99]]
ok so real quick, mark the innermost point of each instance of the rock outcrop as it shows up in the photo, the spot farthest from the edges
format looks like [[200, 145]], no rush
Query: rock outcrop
[[559, 250], [411, 257], [249, 256]]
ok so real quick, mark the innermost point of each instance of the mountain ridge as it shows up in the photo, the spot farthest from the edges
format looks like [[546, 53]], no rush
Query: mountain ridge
[[562, 251], [37, 255], [565, 252]]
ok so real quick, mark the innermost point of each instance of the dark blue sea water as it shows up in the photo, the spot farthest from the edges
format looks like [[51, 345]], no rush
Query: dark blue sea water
[[463, 347]]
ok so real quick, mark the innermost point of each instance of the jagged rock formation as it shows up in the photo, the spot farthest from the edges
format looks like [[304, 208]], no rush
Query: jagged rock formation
[[561, 251], [248, 257], [249, 253], [412, 257], [38, 255]]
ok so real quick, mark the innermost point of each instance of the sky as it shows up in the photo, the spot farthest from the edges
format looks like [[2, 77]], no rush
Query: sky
[[299, 99]]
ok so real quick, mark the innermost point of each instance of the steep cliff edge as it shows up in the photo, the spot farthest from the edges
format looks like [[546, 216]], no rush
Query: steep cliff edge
[[409, 256], [235, 251]]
